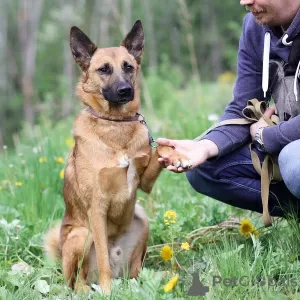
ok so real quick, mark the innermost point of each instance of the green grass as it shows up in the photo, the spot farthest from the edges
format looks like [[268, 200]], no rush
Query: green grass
[[27, 211]]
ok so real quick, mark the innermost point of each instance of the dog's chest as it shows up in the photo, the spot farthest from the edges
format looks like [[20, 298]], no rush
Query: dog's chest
[[132, 175]]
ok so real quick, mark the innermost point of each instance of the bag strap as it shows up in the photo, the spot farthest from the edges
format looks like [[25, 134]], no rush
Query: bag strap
[[269, 170]]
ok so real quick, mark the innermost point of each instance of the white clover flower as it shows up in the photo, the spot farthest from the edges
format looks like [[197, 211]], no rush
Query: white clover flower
[[10, 226], [21, 268], [4, 147], [11, 165], [42, 286]]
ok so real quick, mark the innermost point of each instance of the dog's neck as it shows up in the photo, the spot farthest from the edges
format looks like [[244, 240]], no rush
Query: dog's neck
[[136, 117]]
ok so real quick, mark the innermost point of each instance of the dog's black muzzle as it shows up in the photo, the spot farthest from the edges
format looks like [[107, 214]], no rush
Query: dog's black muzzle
[[120, 94]]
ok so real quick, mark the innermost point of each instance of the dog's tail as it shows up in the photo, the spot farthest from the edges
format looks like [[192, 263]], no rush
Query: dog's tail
[[51, 243]]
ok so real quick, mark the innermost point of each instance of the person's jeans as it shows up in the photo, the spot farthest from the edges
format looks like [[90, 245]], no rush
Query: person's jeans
[[289, 164], [232, 179]]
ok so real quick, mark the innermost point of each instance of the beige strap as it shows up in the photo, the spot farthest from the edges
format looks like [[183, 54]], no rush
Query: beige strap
[[266, 177], [223, 123]]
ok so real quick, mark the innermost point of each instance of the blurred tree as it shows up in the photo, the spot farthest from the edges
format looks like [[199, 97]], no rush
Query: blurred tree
[[28, 21], [149, 32], [3, 60]]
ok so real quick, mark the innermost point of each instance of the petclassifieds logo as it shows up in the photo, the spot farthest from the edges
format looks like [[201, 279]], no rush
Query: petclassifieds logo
[[200, 289]]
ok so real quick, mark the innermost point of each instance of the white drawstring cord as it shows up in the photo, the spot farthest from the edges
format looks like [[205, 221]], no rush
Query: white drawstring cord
[[266, 60], [296, 81], [285, 42]]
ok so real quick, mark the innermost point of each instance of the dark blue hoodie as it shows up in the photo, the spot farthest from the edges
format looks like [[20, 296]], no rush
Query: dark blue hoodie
[[249, 86]]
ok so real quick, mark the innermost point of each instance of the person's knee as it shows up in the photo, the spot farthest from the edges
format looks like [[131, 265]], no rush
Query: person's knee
[[289, 165], [200, 179]]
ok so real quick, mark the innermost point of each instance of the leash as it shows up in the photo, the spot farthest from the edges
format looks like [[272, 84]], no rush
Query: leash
[[269, 169], [136, 118]]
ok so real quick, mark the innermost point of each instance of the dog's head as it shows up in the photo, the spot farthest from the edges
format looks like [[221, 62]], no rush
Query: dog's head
[[109, 75]]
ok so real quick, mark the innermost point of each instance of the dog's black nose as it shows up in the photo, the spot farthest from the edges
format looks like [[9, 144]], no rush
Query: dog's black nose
[[124, 90]]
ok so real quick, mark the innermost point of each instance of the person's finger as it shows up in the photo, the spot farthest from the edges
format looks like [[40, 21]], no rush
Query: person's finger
[[269, 112], [166, 142], [172, 169], [180, 170]]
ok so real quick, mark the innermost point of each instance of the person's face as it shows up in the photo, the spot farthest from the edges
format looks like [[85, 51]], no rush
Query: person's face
[[273, 12]]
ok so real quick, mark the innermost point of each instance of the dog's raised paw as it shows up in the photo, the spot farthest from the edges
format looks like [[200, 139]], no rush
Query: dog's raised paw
[[183, 163]]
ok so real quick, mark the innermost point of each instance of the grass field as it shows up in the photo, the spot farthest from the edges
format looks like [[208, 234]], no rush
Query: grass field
[[265, 267]]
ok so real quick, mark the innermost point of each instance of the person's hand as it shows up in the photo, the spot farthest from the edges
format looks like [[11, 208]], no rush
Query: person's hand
[[197, 151], [261, 122]]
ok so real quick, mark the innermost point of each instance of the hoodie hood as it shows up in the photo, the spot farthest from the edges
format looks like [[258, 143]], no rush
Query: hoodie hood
[[289, 35]]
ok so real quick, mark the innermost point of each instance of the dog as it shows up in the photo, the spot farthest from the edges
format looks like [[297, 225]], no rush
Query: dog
[[103, 234]]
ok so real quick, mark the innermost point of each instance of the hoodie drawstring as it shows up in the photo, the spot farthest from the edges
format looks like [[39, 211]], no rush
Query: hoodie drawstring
[[266, 60], [285, 42], [296, 81], [293, 60]]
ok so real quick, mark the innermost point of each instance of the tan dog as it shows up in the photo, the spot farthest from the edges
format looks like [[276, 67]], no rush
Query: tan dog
[[103, 230]]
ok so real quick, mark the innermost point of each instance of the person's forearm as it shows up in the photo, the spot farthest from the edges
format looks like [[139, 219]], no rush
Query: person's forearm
[[211, 147], [228, 138], [278, 136]]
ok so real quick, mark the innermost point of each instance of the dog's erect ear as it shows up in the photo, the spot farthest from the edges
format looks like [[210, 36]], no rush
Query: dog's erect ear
[[134, 41], [82, 48]]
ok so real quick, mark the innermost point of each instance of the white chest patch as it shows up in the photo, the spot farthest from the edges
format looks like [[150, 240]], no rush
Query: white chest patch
[[125, 162]]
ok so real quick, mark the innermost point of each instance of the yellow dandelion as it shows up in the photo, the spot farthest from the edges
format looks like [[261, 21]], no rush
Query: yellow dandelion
[[59, 160], [166, 253], [5, 182], [1, 188], [18, 183], [247, 227], [70, 142], [170, 217], [226, 77], [185, 246], [62, 174], [171, 284], [43, 159]]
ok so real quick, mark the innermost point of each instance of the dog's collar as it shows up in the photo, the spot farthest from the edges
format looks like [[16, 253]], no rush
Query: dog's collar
[[137, 117]]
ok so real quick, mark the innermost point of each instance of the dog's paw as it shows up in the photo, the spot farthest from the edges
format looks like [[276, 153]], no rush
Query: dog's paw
[[175, 158], [179, 160]]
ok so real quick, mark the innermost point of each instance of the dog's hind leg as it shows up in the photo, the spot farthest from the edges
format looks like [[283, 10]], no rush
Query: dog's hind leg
[[75, 251], [132, 245], [140, 229]]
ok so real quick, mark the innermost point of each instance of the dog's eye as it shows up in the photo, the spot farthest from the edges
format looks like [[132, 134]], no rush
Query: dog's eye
[[104, 69], [128, 67]]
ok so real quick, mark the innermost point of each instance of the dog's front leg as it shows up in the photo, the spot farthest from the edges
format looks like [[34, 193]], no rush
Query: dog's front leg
[[100, 236], [151, 173], [154, 168]]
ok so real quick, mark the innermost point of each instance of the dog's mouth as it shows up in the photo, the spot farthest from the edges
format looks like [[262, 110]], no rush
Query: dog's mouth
[[124, 101], [118, 101]]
